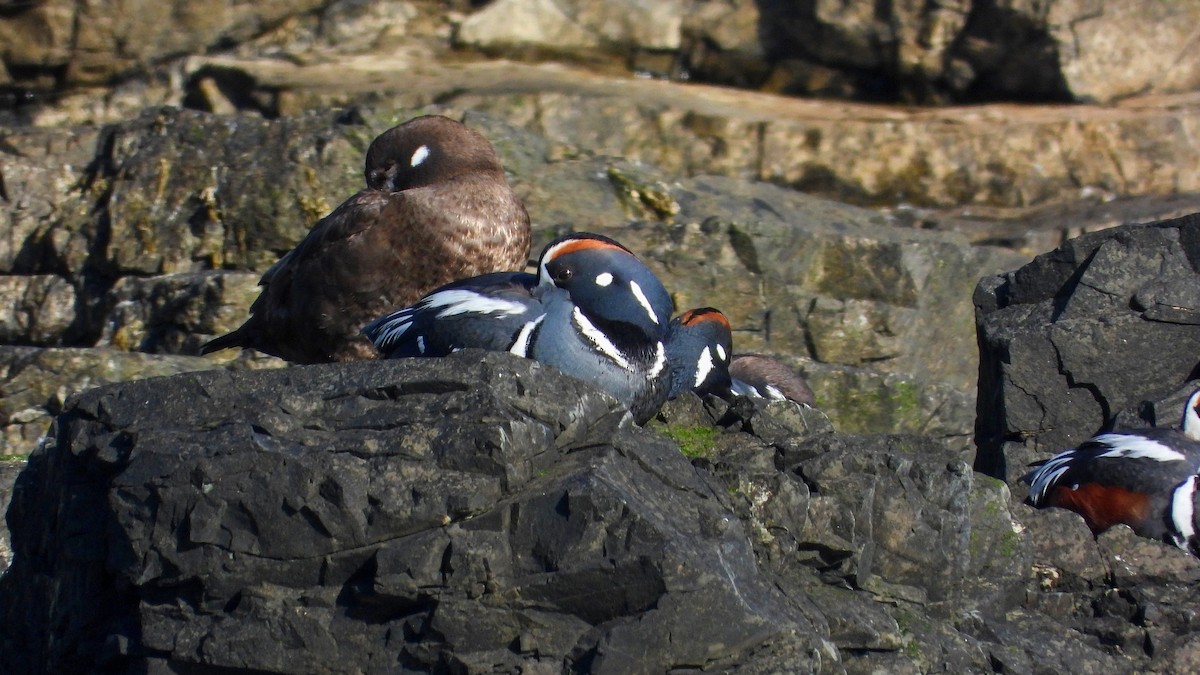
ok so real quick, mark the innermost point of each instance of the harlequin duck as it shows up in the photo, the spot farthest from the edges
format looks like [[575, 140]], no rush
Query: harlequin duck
[[1145, 479], [437, 207], [593, 310], [699, 344], [761, 376]]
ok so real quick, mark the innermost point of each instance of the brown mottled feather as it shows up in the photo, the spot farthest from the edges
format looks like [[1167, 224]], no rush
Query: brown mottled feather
[[384, 249], [763, 371]]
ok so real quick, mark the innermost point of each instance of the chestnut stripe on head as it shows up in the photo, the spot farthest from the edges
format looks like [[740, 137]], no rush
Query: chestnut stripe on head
[[573, 244], [695, 316]]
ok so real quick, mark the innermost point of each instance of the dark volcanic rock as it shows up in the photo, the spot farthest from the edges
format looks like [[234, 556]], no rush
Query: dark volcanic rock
[[373, 517], [483, 512], [8, 475], [1102, 332], [1083, 333]]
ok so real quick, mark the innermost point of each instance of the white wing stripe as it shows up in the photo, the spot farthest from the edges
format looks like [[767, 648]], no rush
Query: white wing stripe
[[1137, 447], [458, 301], [1048, 475], [393, 328]]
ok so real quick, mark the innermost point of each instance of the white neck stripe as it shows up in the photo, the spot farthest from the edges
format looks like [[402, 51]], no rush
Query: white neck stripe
[[599, 339], [520, 346]]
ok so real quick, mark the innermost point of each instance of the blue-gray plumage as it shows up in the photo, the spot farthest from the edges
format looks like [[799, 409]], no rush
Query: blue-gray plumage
[[593, 311]]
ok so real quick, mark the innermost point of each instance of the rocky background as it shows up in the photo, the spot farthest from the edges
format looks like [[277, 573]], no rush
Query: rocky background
[[158, 157]]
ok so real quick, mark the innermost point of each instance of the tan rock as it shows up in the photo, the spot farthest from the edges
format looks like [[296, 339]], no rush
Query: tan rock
[[999, 155], [564, 25], [517, 22], [42, 179], [34, 383], [39, 308], [176, 313], [1113, 50], [93, 42]]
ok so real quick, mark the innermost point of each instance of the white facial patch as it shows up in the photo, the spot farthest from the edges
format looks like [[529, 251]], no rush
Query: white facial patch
[[599, 339], [1183, 512], [419, 156], [544, 274], [704, 366], [721, 353], [642, 300], [604, 279]]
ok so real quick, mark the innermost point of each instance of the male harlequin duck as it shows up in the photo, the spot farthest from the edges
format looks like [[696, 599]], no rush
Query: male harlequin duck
[[437, 207], [761, 376], [593, 310], [699, 354], [1145, 479], [699, 345]]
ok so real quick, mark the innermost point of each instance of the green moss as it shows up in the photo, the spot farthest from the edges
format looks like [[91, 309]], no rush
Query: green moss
[[893, 407], [697, 441], [1009, 544], [641, 198], [13, 458], [912, 649], [906, 399], [312, 204], [908, 625]]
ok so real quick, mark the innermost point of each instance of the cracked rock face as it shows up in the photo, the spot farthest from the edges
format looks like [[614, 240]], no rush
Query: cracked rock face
[[1083, 333], [474, 510], [482, 512]]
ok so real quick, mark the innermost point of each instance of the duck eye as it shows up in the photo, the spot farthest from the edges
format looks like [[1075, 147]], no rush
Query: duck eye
[[561, 275]]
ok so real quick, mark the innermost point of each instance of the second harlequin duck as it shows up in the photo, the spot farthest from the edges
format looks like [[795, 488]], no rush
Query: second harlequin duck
[[593, 310], [1145, 479], [699, 346], [437, 207]]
